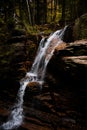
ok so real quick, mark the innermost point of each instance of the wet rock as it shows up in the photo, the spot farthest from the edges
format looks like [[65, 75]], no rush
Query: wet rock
[[33, 84], [68, 34], [32, 89]]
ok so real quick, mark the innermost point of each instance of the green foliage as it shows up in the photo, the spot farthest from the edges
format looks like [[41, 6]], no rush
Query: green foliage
[[17, 14], [31, 29]]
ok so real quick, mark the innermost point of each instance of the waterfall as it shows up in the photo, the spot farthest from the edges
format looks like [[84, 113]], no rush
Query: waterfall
[[37, 73]]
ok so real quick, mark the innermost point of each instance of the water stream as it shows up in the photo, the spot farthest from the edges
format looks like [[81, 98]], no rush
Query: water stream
[[36, 74]]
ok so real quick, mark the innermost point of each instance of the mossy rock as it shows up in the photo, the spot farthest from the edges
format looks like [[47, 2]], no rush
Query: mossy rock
[[80, 28]]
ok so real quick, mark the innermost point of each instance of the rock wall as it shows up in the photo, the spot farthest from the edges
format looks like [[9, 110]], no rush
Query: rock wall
[[67, 74]]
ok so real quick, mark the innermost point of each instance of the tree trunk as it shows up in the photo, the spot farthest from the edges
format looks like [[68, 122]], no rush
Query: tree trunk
[[45, 11], [63, 11], [55, 10]]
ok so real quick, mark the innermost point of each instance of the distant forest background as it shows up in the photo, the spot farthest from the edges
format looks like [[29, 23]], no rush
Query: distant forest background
[[26, 13]]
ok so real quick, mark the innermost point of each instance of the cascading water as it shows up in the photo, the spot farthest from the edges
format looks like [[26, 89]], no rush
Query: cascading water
[[36, 74]]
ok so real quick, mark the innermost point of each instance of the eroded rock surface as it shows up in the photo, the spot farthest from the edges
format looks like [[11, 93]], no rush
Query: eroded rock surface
[[66, 75]]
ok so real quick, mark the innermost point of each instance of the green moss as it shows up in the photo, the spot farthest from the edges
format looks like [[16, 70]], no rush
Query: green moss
[[80, 29]]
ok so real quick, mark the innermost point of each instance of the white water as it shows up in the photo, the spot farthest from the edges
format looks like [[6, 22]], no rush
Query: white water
[[37, 73]]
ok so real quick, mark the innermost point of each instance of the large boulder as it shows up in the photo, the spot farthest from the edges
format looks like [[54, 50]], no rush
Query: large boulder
[[80, 28], [76, 30]]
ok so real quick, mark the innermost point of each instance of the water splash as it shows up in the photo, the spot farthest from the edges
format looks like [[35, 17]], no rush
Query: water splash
[[37, 73], [16, 116]]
